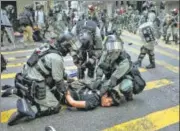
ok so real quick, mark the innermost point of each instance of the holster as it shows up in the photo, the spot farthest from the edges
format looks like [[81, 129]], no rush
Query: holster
[[40, 90], [36, 89]]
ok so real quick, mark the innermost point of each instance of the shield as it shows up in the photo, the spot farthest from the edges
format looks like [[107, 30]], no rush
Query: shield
[[147, 32]]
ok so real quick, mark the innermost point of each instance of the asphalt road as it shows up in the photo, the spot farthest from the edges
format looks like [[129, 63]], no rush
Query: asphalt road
[[156, 108]]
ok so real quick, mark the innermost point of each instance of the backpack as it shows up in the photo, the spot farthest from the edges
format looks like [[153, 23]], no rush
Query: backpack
[[138, 82], [24, 19]]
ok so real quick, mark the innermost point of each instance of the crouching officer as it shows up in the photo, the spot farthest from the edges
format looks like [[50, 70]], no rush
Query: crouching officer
[[113, 68], [45, 70], [90, 42]]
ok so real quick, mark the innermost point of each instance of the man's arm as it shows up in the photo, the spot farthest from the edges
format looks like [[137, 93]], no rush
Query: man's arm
[[74, 103], [91, 101]]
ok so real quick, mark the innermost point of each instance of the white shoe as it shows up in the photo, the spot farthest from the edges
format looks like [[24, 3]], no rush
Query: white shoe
[[49, 128]]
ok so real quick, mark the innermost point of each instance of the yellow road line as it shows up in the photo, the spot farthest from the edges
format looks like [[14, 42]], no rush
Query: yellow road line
[[8, 76], [14, 52], [157, 84], [172, 68], [158, 50], [17, 58], [161, 43], [5, 115], [168, 66], [15, 65], [151, 122], [12, 75]]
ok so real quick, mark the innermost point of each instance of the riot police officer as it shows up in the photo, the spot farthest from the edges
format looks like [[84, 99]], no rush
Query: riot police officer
[[46, 70], [89, 36], [148, 33], [113, 68]]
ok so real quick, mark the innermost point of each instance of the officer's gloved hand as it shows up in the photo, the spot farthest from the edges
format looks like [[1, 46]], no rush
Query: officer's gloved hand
[[61, 86], [104, 66], [113, 81], [89, 63], [96, 84], [70, 80]]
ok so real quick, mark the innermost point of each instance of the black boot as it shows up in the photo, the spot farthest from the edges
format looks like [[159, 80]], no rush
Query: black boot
[[128, 96], [151, 65], [49, 128], [49, 111], [138, 63]]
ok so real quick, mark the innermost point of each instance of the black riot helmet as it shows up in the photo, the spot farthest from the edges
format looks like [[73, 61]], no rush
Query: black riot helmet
[[86, 31], [86, 40], [66, 43], [112, 48]]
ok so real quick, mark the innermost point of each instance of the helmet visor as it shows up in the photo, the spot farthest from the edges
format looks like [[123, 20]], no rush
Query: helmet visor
[[113, 46]]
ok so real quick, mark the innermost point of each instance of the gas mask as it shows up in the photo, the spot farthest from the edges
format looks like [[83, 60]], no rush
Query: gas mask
[[85, 39], [66, 43]]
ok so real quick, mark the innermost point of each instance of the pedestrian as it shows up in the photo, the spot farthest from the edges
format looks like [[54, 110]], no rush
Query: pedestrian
[[26, 23]]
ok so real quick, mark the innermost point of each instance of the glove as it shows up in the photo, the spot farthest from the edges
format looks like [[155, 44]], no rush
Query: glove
[[70, 80], [96, 84], [61, 86], [89, 63], [75, 59], [113, 81], [104, 66]]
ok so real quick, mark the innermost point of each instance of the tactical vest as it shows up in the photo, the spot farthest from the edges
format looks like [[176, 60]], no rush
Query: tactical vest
[[39, 54]]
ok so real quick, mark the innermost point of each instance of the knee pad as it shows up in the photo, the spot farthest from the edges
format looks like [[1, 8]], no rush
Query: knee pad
[[126, 86]]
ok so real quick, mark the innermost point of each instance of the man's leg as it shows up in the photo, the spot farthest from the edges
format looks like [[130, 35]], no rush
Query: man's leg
[[48, 106], [168, 35], [141, 56], [2, 37], [151, 59], [30, 34]]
